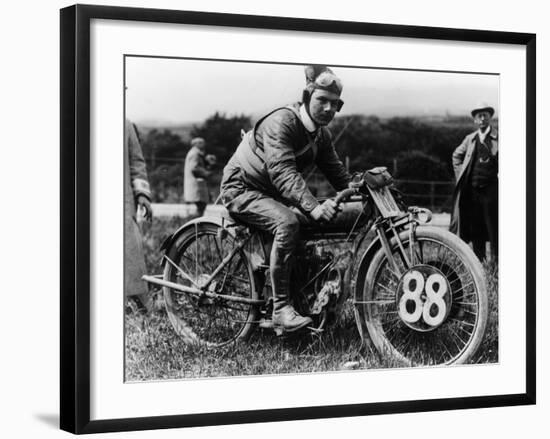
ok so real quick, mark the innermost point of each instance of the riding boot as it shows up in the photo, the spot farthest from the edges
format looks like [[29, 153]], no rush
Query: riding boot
[[285, 317]]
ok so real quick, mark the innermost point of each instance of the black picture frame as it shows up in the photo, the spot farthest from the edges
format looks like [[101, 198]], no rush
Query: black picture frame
[[75, 217]]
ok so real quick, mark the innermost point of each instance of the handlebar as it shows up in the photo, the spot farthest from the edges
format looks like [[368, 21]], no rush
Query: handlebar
[[345, 194]]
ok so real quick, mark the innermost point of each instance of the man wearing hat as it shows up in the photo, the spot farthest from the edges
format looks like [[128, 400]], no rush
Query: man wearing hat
[[197, 169], [263, 183], [475, 199]]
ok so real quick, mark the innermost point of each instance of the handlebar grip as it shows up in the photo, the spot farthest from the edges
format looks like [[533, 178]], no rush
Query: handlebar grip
[[343, 195]]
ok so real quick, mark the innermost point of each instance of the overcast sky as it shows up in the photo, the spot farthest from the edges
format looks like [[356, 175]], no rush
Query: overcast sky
[[183, 90]]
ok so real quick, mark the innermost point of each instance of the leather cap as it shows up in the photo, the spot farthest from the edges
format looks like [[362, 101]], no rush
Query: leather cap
[[323, 78]]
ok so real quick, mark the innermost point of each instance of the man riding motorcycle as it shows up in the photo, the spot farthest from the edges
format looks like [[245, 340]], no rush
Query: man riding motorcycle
[[263, 184]]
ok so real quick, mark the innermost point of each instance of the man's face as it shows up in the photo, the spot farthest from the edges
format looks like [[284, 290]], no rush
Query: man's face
[[322, 106], [482, 119]]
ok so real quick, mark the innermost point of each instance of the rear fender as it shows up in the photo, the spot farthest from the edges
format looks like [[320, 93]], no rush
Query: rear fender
[[169, 241]]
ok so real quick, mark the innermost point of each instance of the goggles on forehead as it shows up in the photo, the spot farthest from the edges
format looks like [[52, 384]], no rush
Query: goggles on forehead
[[328, 81]]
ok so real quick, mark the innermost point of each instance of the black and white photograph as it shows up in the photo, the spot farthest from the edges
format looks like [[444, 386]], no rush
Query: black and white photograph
[[275, 219], [303, 218]]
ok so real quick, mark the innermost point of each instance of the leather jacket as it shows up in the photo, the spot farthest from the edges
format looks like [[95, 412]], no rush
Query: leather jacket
[[273, 157]]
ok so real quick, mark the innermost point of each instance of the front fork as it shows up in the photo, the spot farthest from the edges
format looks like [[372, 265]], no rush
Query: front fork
[[421, 294], [383, 230], [389, 227]]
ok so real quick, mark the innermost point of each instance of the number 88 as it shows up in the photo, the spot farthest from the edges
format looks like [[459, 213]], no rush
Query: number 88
[[433, 297]]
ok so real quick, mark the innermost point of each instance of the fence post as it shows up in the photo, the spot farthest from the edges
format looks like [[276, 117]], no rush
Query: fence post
[[432, 196]]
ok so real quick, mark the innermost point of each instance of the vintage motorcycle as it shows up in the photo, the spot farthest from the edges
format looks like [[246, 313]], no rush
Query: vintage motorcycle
[[418, 292]]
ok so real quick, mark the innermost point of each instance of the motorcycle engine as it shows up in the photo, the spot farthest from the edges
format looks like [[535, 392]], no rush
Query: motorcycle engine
[[317, 280]]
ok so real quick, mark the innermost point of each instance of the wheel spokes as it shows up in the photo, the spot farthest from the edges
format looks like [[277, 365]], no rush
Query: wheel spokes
[[437, 345], [211, 319]]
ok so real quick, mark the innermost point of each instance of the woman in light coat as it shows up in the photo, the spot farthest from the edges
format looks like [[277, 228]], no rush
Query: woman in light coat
[[197, 169]]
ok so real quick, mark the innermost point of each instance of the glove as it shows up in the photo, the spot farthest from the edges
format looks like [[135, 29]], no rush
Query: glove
[[144, 204], [325, 211]]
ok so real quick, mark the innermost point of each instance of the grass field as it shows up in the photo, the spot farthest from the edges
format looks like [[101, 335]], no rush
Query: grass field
[[155, 352]]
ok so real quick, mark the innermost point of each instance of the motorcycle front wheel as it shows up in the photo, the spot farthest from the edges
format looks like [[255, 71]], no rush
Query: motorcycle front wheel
[[431, 307]]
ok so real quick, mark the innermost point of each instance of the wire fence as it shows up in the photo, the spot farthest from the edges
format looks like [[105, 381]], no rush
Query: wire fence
[[434, 195]]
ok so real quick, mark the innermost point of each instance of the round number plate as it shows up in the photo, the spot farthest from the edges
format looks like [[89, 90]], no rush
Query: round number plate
[[423, 298]]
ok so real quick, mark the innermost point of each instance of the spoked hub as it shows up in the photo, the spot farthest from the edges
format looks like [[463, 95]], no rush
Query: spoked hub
[[423, 298]]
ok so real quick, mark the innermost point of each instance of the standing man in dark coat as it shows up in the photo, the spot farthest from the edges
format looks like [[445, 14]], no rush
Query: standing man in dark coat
[[137, 201], [475, 199], [263, 183]]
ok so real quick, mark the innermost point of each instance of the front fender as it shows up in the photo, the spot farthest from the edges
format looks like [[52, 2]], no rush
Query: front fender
[[358, 286]]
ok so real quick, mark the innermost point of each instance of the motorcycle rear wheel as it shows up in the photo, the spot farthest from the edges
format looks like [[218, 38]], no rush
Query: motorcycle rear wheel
[[205, 320], [457, 338]]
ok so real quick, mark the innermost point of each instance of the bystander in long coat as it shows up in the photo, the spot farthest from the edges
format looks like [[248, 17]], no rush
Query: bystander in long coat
[[462, 165], [135, 184], [195, 174]]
